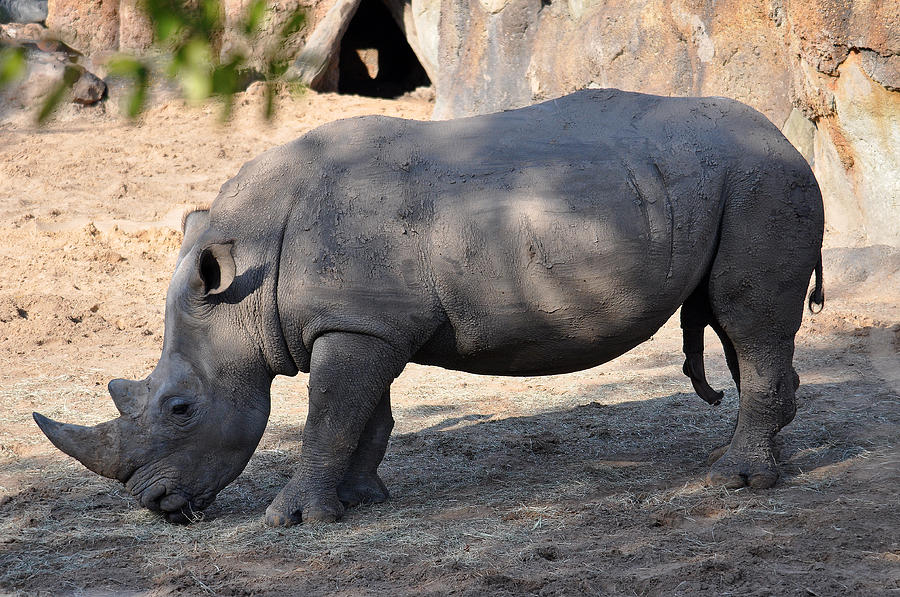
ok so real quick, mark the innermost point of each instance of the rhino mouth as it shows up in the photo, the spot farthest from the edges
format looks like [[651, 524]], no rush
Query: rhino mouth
[[175, 505]]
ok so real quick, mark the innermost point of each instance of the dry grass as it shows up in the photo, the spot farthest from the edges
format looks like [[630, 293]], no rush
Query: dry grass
[[586, 489]]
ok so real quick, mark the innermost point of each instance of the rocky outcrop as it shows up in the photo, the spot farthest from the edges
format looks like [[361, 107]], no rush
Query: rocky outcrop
[[88, 89], [90, 26], [268, 38], [317, 59], [105, 26], [47, 61]]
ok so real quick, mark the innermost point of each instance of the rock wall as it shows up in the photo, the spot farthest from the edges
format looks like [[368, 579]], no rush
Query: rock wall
[[827, 72], [96, 27], [89, 26]]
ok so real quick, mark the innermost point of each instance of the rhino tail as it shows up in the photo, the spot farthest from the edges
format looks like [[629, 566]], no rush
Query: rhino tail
[[695, 316], [817, 296]]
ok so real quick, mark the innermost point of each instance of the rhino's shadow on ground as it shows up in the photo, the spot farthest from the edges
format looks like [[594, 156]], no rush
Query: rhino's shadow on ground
[[460, 464], [484, 458], [597, 449], [467, 464]]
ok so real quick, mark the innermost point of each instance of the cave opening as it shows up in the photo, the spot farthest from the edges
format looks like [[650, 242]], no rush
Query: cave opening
[[375, 58]]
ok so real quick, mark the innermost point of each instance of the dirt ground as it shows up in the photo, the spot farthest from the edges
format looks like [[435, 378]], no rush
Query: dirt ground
[[582, 484]]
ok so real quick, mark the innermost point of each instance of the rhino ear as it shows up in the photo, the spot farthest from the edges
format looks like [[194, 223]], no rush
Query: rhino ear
[[193, 224], [194, 220], [215, 268]]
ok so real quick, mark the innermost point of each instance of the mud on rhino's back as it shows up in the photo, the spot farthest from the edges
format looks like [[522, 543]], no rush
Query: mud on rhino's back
[[551, 238]]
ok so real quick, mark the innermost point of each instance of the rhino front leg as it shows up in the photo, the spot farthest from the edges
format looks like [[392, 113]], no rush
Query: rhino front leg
[[361, 483], [349, 375]]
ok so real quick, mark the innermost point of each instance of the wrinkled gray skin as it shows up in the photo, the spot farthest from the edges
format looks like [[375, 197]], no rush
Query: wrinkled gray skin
[[535, 241]]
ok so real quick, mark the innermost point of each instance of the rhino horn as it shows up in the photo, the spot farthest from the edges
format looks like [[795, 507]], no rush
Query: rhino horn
[[95, 447], [123, 396]]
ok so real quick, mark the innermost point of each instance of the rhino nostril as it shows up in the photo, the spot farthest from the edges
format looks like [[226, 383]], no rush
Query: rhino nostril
[[150, 498]]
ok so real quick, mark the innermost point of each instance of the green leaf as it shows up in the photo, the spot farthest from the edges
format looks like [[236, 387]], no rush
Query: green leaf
[[12, 65], [269, 106], [227, 107], [253, 17], [225, 79], [139, 73], [294, 23], [124, 66], [196, 83], [59, 92], [197, 53], [210, 21], [167, 26], [276, 68], [134, 105]]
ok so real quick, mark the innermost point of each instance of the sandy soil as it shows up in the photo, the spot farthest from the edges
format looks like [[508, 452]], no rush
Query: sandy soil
[[589, 483]]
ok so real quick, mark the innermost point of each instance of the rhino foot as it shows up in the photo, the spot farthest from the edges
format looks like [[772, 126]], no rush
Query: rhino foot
[[283, 512], [716, 454], [362, 488], [276, 518], [736, 469]]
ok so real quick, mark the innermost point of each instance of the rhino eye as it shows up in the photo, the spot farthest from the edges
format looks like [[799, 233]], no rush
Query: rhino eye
[[179, 407]]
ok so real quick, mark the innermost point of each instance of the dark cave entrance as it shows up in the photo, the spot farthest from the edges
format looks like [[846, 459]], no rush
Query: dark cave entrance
[[375, 58]]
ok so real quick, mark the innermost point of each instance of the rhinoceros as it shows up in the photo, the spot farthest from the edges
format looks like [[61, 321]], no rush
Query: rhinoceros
[[535, 241]]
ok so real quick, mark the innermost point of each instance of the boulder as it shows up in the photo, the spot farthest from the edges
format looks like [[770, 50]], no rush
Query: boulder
[[43, 73], [47, 62], [90, 26], [88, 89]]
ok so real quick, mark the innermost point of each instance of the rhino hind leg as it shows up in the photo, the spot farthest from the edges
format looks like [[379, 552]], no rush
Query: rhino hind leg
[[767, 404], [760, 325], [757, 297], [361, 483], [349, 375]]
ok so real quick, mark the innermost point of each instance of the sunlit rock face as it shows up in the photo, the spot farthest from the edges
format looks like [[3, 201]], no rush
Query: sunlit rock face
[[98, 27]]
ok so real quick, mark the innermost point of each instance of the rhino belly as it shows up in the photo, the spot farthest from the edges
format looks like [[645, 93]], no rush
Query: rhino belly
[[544, 320], [533, 350], [539, 283]]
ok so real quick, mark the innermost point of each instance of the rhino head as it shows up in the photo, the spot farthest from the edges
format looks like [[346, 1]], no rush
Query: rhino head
[[190, 427]]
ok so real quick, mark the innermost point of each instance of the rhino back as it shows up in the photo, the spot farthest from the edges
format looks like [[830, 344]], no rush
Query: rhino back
[[571, 232], [537, 240]]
